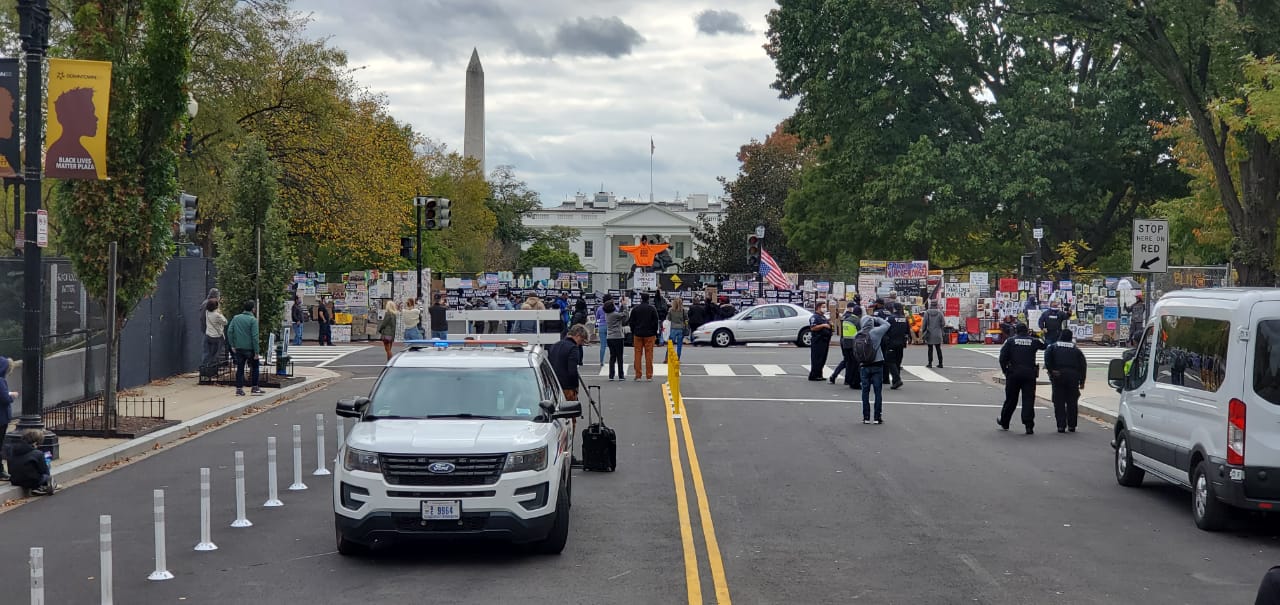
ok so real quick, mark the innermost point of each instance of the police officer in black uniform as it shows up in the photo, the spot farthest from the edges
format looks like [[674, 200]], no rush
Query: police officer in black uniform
[[1051, 322], [1018, 361], [895, 340], [1067, 367]]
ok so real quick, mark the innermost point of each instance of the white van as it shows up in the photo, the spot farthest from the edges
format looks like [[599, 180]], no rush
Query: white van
[[1200, 403]]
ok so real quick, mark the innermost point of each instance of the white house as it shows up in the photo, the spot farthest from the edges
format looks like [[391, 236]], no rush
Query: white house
[[606, 222]]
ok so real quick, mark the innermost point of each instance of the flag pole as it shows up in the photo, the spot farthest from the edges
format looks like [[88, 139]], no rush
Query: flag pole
[[651, 149]]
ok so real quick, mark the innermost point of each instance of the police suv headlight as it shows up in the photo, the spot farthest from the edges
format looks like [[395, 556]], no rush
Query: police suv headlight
[[528, 460], [360, 460]]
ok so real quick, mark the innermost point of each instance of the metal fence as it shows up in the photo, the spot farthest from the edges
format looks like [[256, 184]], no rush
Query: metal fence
[[160, 338]]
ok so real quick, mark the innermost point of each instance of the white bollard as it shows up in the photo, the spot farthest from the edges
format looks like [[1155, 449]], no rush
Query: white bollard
[[320, 467], [298, 485], [162, 569], [206, 542], [241, 520], [342, 434], [37, 575], [273, 498], [104, 558]]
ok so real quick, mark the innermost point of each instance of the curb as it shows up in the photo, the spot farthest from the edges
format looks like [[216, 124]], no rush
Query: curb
[[88, 465], [1092, 410]]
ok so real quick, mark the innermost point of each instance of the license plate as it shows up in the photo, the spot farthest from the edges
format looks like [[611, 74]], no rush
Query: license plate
[[437, 510]]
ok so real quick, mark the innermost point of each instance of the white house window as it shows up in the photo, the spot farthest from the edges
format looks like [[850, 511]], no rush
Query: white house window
[[588, 249], [679, 246]]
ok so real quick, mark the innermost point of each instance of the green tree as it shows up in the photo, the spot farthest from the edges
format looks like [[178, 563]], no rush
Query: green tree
[[543, 254], [947, 128], [1193, 47], [256, 231], [137, 206], [510, 201], [768, 171]]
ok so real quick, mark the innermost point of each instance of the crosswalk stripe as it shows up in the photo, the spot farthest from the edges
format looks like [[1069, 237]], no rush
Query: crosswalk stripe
[[769, 370], [718, 369], [925, 374]]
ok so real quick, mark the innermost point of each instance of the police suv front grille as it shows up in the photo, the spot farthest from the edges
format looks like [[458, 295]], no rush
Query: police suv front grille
[[467, 470]]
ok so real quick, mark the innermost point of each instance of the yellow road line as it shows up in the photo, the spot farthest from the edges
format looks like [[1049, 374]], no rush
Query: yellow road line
[[692, 581], [704, 510]]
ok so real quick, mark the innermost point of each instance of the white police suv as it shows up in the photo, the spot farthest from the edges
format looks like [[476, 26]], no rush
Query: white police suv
[[458, 439]]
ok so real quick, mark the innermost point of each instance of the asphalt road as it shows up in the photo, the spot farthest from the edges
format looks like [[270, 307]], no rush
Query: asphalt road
[[808, 506]]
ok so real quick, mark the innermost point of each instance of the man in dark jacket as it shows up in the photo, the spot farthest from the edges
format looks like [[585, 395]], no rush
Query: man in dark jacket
[[324, 317], [895, 341], [1052, 323], [439, 319], [6, 405], [565, 357], [820, 341], [27, 466], [697, 315], [1067, 369], [644, 332], [1018, 362], [242, 339], [297, 317]]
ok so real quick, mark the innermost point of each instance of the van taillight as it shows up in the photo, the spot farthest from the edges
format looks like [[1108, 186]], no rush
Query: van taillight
[[1235, 433]]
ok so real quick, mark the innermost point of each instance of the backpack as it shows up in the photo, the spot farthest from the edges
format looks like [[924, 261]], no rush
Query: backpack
[[863, 349]]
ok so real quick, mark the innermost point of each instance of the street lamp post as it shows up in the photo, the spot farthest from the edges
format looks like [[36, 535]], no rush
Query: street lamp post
[[33, 18], [1039, 235]]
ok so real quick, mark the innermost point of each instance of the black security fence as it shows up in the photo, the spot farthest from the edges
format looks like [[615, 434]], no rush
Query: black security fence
[[161, 337]]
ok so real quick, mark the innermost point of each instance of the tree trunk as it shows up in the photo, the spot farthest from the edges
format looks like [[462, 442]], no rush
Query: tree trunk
[[1254, 245]]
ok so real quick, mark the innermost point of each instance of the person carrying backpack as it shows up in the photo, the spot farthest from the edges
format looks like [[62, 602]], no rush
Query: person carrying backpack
[[848, 329], [867, 350]]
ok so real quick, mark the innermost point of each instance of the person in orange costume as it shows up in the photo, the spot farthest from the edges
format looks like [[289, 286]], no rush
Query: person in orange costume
[[644, 252]]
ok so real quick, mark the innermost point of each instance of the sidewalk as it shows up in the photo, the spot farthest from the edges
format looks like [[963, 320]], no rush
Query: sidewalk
[[196, 408], [1097, 398]]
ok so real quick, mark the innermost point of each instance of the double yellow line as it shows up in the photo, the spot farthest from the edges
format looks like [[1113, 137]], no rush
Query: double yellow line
[[692, 580]]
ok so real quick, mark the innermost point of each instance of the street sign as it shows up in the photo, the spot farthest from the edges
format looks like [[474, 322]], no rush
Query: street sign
[[760, 231], [1150, 245], [42, 228], [1037, 233]]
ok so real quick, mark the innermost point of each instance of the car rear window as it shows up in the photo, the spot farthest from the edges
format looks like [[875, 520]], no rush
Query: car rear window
[[420, 392], [1266, 361]]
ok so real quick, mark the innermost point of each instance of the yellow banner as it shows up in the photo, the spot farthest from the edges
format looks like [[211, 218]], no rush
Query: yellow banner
[[76, 133]]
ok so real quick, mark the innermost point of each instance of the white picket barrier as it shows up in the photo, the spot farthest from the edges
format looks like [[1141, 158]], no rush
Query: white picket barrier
[[206, 541], [241, 519], [37, 575], [105, 572], [162, 568], [320, 465], [298, 485], [273, 498]]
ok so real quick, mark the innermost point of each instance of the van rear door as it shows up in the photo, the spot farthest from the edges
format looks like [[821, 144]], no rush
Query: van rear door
[[1261, 395]]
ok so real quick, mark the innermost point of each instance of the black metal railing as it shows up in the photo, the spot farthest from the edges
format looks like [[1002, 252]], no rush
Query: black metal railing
[[131, 417], [224, 373]]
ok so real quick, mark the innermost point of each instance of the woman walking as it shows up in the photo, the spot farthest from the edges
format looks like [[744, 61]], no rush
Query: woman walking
[[934, 324], [412, 316], [679, 319], [387, 327], [215, 327], [615, 319]]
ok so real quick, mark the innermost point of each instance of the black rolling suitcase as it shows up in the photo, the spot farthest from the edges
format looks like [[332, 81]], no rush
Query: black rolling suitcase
[[599, 442]]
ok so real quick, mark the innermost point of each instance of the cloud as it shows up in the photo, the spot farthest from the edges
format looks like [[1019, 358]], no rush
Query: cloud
[[591, 36], [713, 22]]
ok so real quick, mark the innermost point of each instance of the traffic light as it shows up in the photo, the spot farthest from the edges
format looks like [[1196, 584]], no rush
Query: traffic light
[[406, 247], [753, 251], [436, 213], [187, 221]]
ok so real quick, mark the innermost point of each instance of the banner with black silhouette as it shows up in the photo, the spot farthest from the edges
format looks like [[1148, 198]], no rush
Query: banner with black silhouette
[[79, 92], [9, 144]]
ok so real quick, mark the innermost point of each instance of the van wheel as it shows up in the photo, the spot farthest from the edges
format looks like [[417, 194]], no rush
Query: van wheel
[[346, 547], [1209, 512], [554, 543], [1127, 474]]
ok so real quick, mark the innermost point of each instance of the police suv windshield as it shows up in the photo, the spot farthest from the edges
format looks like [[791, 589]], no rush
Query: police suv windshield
[[451, 393]]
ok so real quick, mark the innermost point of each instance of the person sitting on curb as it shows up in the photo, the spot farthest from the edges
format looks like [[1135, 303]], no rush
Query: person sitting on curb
[[27, 465]]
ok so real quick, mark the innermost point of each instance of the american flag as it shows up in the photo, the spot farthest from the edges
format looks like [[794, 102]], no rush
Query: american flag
[[771, 272]]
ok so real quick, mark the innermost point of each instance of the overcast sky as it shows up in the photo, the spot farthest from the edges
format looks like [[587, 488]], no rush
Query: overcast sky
[[574, 89]]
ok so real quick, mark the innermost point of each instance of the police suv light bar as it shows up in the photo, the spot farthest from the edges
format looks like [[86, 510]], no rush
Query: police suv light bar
[[445, 344]]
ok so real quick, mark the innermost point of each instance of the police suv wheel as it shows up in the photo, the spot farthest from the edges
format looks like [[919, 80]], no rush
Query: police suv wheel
[[1127, 474], [1209, 513], [559, 534], [346, 547], [722, 338]]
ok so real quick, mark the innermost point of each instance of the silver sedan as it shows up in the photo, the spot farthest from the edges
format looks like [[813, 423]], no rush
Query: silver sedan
[[764, 323]]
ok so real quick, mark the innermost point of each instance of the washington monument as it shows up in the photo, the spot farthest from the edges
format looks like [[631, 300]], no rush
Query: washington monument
[[473, 131]]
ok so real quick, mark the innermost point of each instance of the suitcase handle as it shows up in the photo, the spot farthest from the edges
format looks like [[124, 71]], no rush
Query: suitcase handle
[[591, 401]]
